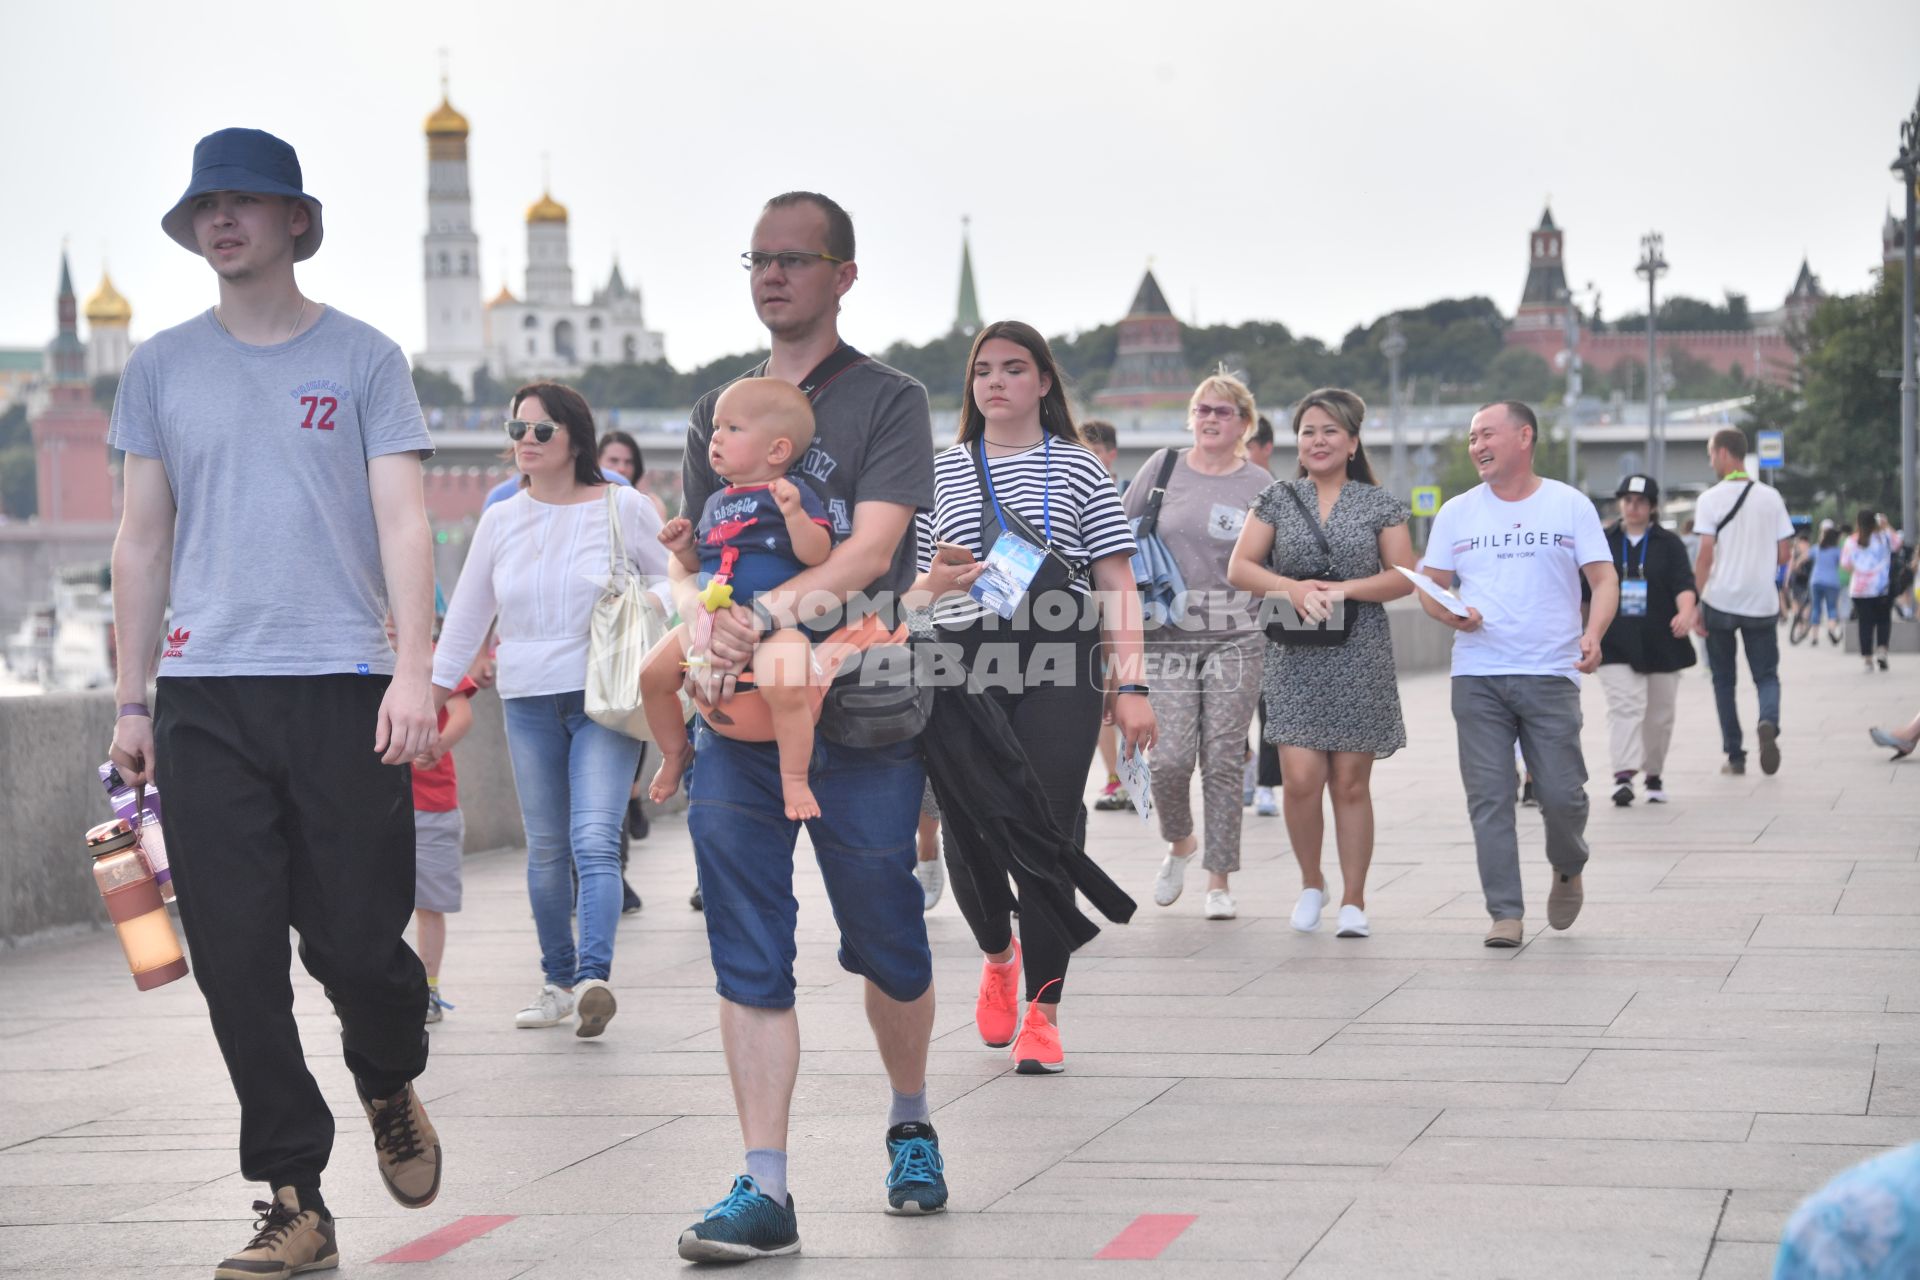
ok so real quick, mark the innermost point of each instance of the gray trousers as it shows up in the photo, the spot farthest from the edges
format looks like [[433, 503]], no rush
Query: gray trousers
[[1543, 713]]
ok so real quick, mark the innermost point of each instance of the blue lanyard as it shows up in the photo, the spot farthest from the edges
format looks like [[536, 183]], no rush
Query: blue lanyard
[[1046, 485], [1627, 569]]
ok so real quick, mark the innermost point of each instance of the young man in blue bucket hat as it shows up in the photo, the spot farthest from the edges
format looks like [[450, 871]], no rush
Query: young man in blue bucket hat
[[273, 497]]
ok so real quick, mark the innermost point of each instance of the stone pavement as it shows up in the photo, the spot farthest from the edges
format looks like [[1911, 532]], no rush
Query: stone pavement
[[1735, 1017]]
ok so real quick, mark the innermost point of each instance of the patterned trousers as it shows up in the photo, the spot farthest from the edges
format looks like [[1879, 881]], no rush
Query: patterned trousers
[[1204, 693]]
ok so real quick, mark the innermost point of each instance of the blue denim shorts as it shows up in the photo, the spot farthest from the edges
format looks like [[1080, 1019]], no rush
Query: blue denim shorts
[[863, 839]]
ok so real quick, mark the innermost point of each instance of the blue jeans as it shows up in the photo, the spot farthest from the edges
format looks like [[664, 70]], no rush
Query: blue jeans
[[863, 840], [1761, 638], [1826, 601], [573, 777]]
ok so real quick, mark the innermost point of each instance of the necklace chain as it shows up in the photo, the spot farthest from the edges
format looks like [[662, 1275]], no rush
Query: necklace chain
[[301, 315]]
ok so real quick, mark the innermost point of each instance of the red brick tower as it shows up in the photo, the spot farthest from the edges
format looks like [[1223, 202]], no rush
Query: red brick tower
[[1149, 365], [1543, 303], [70, 433]]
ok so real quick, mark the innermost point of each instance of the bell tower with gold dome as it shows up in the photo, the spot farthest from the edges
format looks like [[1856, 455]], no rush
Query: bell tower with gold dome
[[109, 337], [456, 344], [549, 262]]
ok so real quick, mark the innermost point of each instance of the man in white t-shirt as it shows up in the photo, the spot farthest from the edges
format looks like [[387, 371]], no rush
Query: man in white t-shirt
[[1515, 549], [1745, 536]]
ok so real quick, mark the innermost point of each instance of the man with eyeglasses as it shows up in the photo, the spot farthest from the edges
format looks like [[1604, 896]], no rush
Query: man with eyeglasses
[[872, 461], [273, 494]]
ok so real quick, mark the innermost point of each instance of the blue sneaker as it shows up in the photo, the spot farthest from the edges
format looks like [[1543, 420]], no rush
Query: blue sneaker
[[917, 1181], [744, 1226]]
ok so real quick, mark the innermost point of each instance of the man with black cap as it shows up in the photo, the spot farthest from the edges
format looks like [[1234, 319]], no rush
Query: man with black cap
[[273, 496], [1646, 648]]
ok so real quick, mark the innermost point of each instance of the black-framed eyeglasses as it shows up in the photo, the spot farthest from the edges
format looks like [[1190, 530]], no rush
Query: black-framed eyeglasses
[[542, 431], [789, 259]]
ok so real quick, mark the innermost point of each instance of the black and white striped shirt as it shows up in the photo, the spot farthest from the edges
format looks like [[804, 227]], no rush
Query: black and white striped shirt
[[1088, 523]]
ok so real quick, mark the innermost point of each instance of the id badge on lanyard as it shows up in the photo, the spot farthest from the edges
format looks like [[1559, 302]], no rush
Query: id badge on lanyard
[[1013, 562], [1633, 582]]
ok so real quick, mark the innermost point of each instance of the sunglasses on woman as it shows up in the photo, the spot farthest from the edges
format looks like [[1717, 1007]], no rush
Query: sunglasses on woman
[[542, 431]]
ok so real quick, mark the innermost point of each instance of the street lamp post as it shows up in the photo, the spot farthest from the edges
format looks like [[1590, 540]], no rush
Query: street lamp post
[[1394, 345], [1653, 265], [1907, 165]]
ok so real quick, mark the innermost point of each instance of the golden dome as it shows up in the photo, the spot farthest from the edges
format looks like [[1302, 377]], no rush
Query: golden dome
[[503, 298], [106, 306], [445, 122], [546, 209]]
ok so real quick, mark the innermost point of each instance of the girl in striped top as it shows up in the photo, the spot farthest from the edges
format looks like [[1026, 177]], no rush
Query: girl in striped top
[[1018, 460]]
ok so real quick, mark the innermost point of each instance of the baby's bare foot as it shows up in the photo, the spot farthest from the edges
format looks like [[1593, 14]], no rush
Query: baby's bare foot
[[667, 780], [799, 797]]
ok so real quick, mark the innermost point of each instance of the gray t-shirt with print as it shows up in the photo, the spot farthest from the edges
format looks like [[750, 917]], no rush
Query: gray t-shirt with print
[[872, 442], [276, 559], [1200, 520]]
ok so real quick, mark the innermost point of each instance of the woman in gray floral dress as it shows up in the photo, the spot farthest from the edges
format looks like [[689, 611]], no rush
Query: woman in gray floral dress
[[1333, 709]]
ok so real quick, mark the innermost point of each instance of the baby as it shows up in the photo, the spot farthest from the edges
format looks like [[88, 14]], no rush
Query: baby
[[754, 534]]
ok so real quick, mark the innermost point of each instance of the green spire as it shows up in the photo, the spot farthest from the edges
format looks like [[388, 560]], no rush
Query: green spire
[[967, 315]]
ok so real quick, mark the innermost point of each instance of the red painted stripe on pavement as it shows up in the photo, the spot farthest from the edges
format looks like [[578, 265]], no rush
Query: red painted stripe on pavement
[[1147, 1236], [446, 1239]]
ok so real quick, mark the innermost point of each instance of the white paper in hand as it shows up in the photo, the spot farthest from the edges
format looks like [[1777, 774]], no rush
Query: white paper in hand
[[1137, 778], [1448, 601]]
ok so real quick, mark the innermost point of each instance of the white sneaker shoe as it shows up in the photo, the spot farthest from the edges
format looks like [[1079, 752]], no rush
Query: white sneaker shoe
[[1172, 879], [1264, 804], [1219, 905], [594, 1000], [933, 882], [1353, 923], [1306, 912], [550, 1008]]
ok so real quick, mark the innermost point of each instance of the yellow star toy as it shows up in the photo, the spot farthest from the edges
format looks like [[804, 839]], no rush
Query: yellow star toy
[[716, 595]]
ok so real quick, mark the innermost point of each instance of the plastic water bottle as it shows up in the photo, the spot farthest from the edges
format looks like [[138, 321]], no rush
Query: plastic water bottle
[[127, 802], [133, 904]]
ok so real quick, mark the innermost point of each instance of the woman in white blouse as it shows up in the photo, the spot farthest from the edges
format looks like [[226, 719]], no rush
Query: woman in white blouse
[[538, 563]]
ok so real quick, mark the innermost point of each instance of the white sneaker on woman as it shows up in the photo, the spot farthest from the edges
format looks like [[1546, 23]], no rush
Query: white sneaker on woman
[[1220, 905], [1306, 912], [550, 1008], [932, 875], [1172, 879], [1353, 923]]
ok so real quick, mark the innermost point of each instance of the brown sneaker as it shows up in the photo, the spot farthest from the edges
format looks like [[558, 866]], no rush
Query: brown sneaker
[[406, 1145], [1505, 933], [290, 1240], [1564, 899]]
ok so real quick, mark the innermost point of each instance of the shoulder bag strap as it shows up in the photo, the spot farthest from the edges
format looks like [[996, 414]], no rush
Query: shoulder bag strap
[[1313, 523], [1739, 502], [616, 543], [1150, 520]]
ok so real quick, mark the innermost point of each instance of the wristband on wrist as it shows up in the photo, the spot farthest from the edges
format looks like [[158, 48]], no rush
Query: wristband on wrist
[[135, 709], [1140, 689]]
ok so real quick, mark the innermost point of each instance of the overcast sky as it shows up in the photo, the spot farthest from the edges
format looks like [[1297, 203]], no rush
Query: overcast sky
[[1315, 164]]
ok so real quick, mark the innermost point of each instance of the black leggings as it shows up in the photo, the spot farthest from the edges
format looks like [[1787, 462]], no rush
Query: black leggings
[[1875, 616], [1059, 725]]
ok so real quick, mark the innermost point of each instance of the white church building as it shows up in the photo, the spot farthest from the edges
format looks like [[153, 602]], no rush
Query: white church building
[[544, 333]]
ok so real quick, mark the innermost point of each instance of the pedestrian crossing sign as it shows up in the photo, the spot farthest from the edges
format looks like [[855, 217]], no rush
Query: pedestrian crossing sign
[[1426, 499]]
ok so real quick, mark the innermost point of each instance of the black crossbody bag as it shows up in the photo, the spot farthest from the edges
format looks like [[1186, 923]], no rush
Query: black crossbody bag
[[1290, 627]]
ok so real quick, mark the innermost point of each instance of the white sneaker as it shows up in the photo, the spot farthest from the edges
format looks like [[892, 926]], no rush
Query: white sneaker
[[594, 1000], [1219, 905], [1264, 804], [1353, 923], [933, 882], [550, 1008], [1306, 912], [1171, 880]]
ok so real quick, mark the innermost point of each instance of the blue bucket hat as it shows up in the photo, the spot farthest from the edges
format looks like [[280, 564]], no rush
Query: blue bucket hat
[[243, 160]]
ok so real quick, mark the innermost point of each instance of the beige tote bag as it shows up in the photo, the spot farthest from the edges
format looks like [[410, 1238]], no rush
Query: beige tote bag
[[624, 627]]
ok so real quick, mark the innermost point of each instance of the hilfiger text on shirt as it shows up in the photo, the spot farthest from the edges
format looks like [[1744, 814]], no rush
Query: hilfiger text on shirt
[[1513, 539]]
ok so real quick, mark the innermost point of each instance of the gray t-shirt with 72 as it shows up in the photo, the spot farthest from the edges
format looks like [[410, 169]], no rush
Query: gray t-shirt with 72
[[276, 558]]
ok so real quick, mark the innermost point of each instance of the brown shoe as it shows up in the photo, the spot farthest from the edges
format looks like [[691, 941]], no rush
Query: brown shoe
[[290, 1240], [406, 1145], [1505, 933], [1564, 899]]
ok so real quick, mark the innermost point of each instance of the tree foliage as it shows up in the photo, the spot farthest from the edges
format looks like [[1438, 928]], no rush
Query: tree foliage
[[1847, 430], [1681, 314], [19, 488], [435, 389]]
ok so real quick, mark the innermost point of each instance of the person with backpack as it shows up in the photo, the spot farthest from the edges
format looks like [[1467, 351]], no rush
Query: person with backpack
[[1871, 554]]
